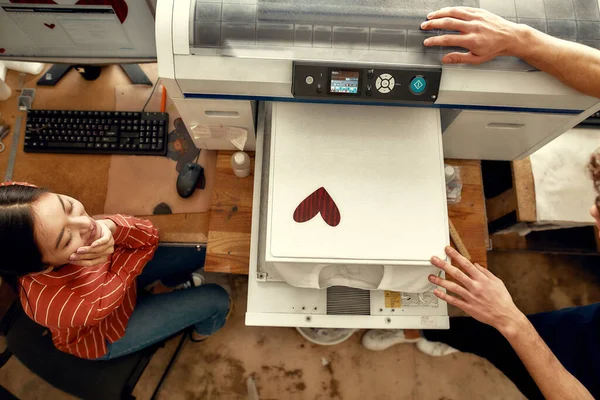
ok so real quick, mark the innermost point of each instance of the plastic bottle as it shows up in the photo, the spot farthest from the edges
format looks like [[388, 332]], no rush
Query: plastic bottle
[[240, 162], [4, 89], [27, 67], [449, 173]]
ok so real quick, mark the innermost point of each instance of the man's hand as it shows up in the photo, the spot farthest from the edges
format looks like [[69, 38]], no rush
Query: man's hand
[[98, 252], [485, 298], [482, 295], [484, 34]]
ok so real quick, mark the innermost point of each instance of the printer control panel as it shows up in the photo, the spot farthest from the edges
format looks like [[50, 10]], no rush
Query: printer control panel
[[356, 83]]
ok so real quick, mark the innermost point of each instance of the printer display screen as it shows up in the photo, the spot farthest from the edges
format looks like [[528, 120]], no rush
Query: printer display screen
[[344, 82]]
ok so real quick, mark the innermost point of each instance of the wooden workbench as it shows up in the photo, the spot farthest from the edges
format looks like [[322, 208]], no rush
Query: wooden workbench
[[231, 217], [85, 178]]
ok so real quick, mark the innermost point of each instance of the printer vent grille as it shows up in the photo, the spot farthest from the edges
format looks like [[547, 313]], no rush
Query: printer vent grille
[[343, 300]]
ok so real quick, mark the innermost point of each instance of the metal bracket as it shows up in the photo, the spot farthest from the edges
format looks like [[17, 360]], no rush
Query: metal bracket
[[261, 276], [25, 100]]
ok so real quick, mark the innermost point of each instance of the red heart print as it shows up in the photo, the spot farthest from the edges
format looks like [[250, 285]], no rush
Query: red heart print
[[2, 50], [51, 26], [318, 202]]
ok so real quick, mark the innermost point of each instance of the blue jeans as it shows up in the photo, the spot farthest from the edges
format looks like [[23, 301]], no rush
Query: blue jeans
[[573, 335], [156, 317]]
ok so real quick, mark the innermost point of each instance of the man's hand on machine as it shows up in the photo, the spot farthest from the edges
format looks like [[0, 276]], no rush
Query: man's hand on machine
[[478, 292], [483, 34], [100, 250]]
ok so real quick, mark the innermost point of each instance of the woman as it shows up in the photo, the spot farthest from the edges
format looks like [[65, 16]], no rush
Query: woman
[[78, 276]]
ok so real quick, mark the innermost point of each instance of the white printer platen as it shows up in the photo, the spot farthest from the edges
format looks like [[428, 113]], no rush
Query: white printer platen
[[274, 302]]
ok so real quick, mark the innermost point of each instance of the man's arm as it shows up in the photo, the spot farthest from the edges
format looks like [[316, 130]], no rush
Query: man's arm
[[485, 298], [554, 381], [486, 36]]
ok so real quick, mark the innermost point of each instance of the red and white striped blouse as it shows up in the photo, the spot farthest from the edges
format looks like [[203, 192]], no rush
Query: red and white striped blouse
[[86, 306]]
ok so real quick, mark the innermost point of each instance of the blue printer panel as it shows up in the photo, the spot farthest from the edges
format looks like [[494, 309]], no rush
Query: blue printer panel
[[355, 83]]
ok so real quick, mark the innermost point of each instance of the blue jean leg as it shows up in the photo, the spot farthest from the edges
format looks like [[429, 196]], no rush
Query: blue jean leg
[[171, 266], [157, 317]]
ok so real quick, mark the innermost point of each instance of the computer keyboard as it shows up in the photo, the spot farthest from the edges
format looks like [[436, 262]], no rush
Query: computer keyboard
[[96, 132]]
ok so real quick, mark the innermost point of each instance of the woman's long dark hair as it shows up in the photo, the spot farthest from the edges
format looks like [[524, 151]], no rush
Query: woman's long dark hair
[[20, 254]]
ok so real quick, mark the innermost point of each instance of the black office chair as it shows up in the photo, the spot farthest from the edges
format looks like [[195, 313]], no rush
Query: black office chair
[[86, 379]]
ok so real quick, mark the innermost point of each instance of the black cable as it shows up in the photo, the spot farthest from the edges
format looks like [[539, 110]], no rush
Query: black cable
[[151, 94], [197, 157]]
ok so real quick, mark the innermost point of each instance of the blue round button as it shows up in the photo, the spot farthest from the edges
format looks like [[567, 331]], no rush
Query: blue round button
[[418, 85]]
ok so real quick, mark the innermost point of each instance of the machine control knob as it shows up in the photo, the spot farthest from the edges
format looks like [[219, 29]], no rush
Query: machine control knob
[[385, 83], [418, 84]]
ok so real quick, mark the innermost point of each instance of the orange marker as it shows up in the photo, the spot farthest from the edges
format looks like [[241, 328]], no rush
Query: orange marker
[[163, 101]]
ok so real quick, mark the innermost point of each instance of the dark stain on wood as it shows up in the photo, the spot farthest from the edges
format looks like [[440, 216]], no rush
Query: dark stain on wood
[[234, 209]]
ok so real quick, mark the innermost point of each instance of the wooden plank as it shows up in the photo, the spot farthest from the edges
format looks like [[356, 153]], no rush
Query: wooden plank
[[86, 177], [229, 252], [578, 241], [509, 242], [228, 247], [182, 228], [468, 215], [505, 203], [525, 190]]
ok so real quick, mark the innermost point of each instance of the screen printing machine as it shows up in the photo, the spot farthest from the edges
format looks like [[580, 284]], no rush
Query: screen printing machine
[[351, 118]]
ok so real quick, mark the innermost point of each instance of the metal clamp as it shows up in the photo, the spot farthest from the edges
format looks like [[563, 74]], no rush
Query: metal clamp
[[26, 99]]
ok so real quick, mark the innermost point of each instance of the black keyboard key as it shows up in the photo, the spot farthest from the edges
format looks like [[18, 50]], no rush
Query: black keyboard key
[[113, 130], [130, 134], [109, 140], [61, 145]]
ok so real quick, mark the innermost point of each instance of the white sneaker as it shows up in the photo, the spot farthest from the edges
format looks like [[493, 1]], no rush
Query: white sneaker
[[197, 280], [381, 339], [435, 349]]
